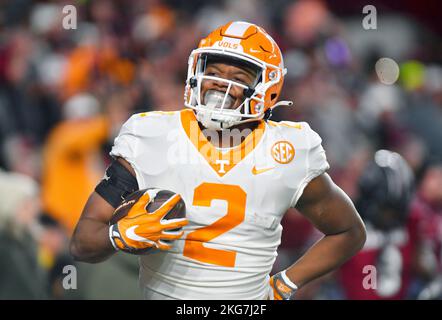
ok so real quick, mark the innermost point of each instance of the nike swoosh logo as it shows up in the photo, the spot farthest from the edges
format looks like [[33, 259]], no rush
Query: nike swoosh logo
[[258, 171], [130, 233]]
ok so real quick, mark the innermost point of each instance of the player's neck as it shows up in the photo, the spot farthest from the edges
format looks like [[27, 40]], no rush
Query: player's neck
[[231, 137]]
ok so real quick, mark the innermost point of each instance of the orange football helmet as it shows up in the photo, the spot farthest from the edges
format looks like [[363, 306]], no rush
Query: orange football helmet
[[251, 46]]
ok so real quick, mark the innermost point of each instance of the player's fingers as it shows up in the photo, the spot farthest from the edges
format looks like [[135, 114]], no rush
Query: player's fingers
[[175, 223], [139, 240], [276, 295], [140, 205], [272, 292], [172, 235], [163, 245], [168, 205], [176, 231]]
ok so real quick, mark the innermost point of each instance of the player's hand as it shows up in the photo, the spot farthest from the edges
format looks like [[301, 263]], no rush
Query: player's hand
[[280, 288], [141, 230]]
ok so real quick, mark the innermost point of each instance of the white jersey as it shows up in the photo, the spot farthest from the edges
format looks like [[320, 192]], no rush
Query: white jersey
[[235, 199]]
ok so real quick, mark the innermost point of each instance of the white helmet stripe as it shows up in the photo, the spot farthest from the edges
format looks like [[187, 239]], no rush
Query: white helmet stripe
[[237, 29]]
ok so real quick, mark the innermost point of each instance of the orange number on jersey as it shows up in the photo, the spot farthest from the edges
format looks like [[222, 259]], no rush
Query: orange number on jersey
[[236, 208]]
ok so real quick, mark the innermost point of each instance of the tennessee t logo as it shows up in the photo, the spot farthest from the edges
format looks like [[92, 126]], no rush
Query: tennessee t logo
[[222, 163]]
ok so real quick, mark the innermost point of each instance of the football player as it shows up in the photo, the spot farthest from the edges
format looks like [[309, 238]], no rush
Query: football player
[[382, 269], [237, 172]]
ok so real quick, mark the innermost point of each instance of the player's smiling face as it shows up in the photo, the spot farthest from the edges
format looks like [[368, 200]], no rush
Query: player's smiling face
[[242, 75]]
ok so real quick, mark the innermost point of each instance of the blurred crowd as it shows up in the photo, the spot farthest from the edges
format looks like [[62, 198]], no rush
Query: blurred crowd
[[64, 94]]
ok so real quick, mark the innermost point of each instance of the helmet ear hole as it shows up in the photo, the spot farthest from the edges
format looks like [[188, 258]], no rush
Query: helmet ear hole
[[273, 96]]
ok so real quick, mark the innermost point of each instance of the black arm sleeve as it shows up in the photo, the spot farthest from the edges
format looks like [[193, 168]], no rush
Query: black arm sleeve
[[116, 184]]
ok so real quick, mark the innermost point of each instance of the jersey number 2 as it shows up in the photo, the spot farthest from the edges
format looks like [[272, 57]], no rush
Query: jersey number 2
[[236, 209]]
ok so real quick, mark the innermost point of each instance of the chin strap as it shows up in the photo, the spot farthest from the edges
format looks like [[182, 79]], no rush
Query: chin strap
[[286, 103], [216, 124], [206, 120]]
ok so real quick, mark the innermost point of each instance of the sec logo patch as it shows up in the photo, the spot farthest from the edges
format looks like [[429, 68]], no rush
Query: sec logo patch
[[283, 152]]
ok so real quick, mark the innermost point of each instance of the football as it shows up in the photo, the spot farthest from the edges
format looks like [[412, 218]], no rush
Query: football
[[178, 211]]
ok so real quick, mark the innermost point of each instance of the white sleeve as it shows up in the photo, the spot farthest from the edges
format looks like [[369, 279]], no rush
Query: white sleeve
[[316, 162], [125, 144]]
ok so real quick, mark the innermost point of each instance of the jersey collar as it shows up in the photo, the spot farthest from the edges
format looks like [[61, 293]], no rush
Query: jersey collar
[[220, 161]]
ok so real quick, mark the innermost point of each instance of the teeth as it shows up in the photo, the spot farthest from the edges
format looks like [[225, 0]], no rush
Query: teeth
[[214, 99], [212, 116]]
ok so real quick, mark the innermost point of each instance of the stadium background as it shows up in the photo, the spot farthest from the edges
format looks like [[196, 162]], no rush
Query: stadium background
[[65, 93]]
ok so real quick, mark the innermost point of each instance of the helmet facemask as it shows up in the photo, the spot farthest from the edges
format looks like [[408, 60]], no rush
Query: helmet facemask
[[214, 109]]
